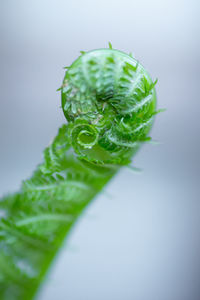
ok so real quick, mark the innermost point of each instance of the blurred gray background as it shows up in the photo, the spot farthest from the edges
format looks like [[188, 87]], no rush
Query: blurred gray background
[[140, 240]]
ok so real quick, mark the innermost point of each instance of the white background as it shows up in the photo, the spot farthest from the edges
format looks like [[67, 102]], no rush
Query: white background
[[141, 242]]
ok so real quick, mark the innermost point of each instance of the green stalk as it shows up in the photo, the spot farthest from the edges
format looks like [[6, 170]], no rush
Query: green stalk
[[109, 102]]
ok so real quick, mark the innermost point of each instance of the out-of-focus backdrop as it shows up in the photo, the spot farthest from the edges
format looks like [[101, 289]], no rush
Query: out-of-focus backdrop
[[140, 240]]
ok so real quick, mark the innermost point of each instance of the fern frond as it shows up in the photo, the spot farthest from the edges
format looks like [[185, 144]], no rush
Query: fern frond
[[109, 102]]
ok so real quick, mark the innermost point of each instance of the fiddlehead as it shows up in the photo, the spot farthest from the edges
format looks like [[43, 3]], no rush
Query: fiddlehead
[[109, 98], [109, 102]]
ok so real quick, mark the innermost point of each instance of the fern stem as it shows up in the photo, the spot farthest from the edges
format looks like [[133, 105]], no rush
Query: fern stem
[[43, 218]]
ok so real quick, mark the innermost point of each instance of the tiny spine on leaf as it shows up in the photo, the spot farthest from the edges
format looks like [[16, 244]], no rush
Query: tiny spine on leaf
[[109, 102]]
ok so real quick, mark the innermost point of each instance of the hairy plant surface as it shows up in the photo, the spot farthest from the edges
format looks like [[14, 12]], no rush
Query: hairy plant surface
[[109, 102]]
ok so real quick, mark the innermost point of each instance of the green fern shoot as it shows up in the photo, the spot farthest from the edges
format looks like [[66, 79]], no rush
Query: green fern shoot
[[109, 102]]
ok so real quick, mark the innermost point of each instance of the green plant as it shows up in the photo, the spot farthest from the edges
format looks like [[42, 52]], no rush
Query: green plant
[[109, 102]]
